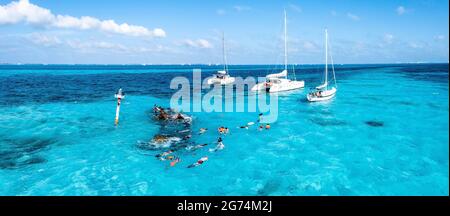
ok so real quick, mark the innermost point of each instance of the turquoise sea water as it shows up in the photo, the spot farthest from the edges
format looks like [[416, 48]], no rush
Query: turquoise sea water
[[385, 133]]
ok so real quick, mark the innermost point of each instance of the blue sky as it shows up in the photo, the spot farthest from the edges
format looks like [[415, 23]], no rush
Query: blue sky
[[189, 31]]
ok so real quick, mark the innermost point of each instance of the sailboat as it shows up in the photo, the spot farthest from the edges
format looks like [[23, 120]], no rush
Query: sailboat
[[324, 92], [222, 77], [279, 81]]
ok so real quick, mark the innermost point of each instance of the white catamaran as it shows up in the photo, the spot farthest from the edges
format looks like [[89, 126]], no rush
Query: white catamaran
[[222, 77], [324, 92], [279, 81]]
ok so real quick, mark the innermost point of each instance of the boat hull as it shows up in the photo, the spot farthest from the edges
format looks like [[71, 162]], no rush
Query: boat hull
[[285, 86], [326, 95], [227, 81], [292, 85]]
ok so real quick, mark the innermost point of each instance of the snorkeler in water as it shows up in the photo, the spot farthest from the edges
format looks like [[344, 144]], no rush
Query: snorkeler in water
[[199, 162], [219, 146], [247, 125], [223, 130], [175, 161], [261, 127], [163, 156], [193, 148], [260, 117], [203, 130]]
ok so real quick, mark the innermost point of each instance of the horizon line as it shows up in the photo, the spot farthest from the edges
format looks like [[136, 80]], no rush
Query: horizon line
[[207, 64]]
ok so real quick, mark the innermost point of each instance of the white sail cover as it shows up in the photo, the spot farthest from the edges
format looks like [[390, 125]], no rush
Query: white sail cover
[[278, 75], [322, 86], [222, 72]]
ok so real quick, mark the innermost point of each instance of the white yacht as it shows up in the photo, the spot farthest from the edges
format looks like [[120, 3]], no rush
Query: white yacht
[[222, 77], [279, 81], [324, 92]]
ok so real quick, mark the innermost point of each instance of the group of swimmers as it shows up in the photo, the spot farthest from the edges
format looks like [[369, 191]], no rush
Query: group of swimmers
[[223, 130], [261, 126], [168, 155]]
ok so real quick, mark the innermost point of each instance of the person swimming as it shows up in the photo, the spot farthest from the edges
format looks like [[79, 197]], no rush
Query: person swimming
[[219, 146], [223, 130], [193, 148], [247, 125], [203, 130], [165, 155], [261, 127], [175, 161], [199, 162], [267, 126], [259, 117]]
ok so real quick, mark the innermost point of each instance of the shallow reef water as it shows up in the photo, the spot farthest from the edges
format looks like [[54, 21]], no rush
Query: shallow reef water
[[385, 133]]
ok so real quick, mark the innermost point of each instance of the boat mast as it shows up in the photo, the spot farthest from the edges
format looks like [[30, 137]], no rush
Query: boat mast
[[225, 66], [326, 58], [332, 67], [285, 41]]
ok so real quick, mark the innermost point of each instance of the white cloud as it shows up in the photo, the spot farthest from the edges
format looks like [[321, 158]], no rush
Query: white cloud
[[439, 37], [303, 46], [44, 40], [98, 46], [24, 11], [221, 12], [415, 45], [353, 16], [239, 8], [388, 38], [401, 10], [93, 45], [295, 8], [200, 43], [309, 45]]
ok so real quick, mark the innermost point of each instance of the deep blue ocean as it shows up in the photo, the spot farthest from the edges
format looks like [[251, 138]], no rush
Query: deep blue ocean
[[385, 133]]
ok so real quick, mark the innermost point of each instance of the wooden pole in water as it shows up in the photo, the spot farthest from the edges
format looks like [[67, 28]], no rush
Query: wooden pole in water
[[119, 97]]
